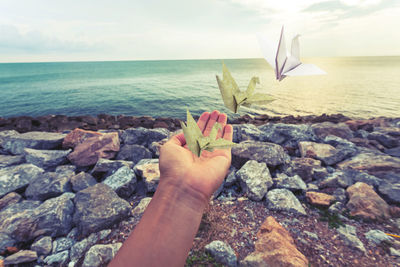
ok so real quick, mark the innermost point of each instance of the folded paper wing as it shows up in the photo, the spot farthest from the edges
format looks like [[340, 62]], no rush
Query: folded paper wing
[[284, 64], [195, 140], [232, 96]]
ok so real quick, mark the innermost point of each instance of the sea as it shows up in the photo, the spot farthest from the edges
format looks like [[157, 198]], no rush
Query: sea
[[358, 87]]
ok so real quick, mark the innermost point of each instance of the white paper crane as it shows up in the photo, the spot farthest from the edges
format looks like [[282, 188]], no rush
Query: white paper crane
[[283, 63]]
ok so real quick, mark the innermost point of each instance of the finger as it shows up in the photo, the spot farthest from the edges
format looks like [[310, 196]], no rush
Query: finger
[[213, 118], [228, 132], [202, 122], [222, 118]]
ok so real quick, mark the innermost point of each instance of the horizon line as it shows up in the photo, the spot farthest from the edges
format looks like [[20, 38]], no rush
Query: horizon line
[[182, 59]]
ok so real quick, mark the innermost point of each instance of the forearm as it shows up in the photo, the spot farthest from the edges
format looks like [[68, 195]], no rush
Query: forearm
[[166, 231]]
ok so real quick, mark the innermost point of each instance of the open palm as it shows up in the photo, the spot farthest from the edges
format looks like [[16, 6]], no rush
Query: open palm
[[205, 173]]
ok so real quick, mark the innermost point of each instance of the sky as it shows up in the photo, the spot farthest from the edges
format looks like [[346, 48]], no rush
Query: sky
[[96, 30]]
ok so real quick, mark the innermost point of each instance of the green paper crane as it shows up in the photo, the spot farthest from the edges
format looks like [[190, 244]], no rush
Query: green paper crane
[[197, 142], [232, 96]]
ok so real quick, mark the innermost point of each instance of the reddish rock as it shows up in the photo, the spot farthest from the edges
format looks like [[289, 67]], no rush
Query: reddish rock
[[93, 148], [371, 144], [395, 211], [366, 203], [328, 128], [275, 247], [316, 150], [77, 136], [367, 125], [374, 163], [160, 124], [319, 199]]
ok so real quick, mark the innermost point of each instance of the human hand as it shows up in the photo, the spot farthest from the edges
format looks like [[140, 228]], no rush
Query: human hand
[[202, 175]]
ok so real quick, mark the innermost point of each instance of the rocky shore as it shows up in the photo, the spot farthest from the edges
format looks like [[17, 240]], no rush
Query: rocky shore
[[301, 191]]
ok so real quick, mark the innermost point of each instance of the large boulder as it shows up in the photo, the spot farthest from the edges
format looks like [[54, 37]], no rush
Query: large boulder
[[254, 178], [99, 207], [48, 185], [46, 159], [15, 144], [284, 200], [366, 203], [272, 154], [77, 136], [374, 163], [89, 151], [18, 177], [142, 136], [274, 247], [133, 153], [123, 182]]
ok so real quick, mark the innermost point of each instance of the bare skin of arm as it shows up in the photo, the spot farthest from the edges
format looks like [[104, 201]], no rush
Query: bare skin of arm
[[166, 231]]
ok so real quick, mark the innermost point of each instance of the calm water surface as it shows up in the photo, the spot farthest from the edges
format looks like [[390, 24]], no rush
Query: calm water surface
[[354, 86]]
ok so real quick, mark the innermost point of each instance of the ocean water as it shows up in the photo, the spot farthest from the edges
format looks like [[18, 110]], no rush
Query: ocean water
[[354, 86]]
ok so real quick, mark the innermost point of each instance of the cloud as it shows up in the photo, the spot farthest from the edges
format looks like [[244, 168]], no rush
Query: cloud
[[14, 40]]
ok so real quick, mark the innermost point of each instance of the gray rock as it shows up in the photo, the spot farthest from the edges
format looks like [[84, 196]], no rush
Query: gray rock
[[394, 252], [249, 132], [323, 129], [253, 260], [148, 170], [336, 208], [156, 146], [38, 140], [394, 152], [66, 170], [108, 167], [79, 248], [54, 216], [133, 153], [254, 179], [9, 199], [81, 181], [5, 134], [17, 177], [292, 183], [42, 246], [312, 187], [349, 236], [73, 234], [6, 241], [361, 134], [62, 243], [141, 207], [236, 136], [337, 179], [222, 253], [284, 200], [6, 160], [340, 194], [123, 182], [99, 207], [272, 154], [100, 255], [48, 185], [59, 259], [142, 136], [21, 256], [376, 237], [280, 133], [383, 138], [359, 176], [46, 159], [390, 191], [231, 177]]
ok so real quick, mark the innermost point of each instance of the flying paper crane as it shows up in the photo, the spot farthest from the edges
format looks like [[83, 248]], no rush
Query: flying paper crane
[[283, 63]]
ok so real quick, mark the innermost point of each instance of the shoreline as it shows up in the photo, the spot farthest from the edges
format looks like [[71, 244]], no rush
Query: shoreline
[[60, 123]]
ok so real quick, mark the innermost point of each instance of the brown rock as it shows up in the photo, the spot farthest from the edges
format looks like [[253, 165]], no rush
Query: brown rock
[[374, 163], [395, 211], [160, 124], [316, 150], [371, 144], [367, 125], [275, 247], [319, 199], [93, 148], [328, 128], [366, 203], [77, 136], [10, 198]]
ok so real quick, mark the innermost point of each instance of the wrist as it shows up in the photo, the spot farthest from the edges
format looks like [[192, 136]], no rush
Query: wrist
[[178, 193]]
